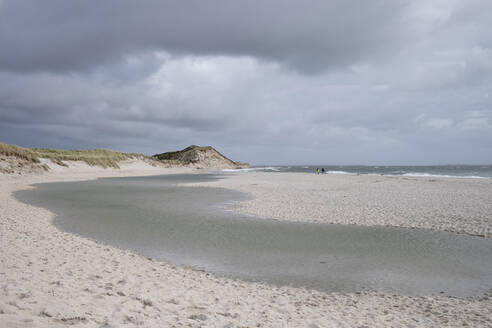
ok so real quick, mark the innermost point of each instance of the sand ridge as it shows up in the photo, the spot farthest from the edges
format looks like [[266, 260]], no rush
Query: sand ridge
[[450, 204], [49, 278]]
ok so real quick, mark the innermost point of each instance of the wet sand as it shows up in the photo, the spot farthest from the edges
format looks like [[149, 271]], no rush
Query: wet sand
[[50, 278], [184, 225], [449, 204]]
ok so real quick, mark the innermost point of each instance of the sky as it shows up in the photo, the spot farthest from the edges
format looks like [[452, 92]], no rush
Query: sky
[[268, 82]]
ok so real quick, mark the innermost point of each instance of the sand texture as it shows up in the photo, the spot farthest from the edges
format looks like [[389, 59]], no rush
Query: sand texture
[[451, 204], [49, 278]]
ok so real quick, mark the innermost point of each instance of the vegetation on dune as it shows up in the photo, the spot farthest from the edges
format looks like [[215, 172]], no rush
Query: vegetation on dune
[[19, 152], [199, 157], [93, 157], [185, 156], [14, 158]]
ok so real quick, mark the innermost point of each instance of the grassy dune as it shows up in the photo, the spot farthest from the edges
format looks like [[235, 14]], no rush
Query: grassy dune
[[19, 152], [203, 156], [185, 156], [93, 157]]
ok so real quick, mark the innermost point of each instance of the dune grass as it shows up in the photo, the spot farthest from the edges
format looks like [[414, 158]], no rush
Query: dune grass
[[185, 156], [19, 152], [93, 157]]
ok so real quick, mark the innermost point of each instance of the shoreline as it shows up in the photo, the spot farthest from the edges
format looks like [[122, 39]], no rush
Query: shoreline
[[456, 205], [51, 278], [197, 232]]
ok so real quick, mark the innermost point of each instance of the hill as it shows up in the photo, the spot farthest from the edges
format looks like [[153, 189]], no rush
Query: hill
[[199, 157], [15, 159], [20, 160]]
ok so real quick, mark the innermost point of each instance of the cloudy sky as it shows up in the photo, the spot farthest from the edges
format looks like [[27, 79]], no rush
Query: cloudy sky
[[269, 82]]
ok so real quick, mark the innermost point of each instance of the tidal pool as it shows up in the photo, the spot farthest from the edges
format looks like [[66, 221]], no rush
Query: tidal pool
[[155, 217]]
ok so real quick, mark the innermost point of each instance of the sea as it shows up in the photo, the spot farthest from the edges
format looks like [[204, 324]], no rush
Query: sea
[[449, 171]]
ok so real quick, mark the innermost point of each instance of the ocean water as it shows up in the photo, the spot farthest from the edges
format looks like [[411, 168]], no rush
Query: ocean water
[[156, 217], [450, 171]]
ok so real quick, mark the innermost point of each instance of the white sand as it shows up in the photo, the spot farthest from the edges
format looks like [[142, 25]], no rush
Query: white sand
[[452, 204], [50, 278]]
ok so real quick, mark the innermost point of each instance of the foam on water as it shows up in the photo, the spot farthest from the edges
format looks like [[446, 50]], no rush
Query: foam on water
[[417, 174], [444, 171], [262, 168]]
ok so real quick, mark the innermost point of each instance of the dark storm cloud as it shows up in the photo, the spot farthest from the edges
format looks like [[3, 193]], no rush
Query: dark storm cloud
[[59, 35], [340, 82]]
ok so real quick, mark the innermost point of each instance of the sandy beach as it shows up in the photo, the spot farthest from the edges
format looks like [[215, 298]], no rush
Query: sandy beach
[[50, 278], [245, 164], [450, 204]]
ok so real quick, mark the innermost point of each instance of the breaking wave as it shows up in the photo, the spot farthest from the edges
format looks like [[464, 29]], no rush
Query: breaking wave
[[267, 168], [417, 174]]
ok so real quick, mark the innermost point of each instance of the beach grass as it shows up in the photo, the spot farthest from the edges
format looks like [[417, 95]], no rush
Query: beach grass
[[19, 152], [185, 156], [93, 157]]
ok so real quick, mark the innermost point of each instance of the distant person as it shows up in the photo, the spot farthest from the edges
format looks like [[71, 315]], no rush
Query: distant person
[[323, 170], [317, 170]]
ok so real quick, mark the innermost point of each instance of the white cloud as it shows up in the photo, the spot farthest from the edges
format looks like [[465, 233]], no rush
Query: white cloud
[[475, 123], [438, 123]]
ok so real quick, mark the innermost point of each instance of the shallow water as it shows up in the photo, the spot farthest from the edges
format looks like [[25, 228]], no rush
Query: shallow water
[[186, 225]]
